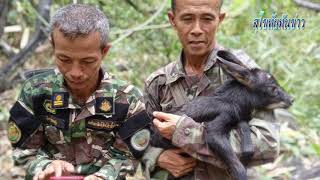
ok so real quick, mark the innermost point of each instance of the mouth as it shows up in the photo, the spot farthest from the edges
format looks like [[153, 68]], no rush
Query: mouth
[[279, 105], [196, 42], [76, 82]]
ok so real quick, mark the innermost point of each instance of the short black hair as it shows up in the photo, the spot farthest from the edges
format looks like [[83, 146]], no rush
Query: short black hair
[[173, 4]]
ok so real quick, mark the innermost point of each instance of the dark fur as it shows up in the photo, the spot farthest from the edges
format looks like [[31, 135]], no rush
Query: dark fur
[[230, 106]]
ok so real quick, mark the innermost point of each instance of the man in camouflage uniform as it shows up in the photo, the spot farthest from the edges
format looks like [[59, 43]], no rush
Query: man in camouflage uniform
[[196, 73], [77, 119]]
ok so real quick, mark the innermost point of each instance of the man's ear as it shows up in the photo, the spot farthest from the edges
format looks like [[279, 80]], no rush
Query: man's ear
[[105, 49], [50, 38], [171, 17], [221, 17]]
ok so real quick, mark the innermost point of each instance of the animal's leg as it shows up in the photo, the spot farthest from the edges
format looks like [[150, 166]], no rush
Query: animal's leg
[[247, 148], [216, 137]]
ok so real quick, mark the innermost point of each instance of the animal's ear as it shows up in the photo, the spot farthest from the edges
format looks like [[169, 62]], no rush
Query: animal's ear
[[228, 56], [230, 64]]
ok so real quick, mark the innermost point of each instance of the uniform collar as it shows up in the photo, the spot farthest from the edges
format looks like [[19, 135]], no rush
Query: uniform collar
[[61, 98], [178, 69]]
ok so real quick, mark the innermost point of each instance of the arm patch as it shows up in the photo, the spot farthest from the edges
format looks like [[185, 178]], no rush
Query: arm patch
[[24, 122], [135, 132]]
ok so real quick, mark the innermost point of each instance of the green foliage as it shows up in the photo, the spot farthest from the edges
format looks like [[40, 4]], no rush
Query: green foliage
[[316, 148]]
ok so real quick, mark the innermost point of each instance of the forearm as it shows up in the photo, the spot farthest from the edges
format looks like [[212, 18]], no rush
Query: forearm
[[189, 136], [34, 160], [115, 169]]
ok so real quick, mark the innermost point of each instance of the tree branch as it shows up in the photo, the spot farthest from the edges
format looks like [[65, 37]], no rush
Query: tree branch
[[8, 72], [6, 49], [308, 4], [141, 26], [156, 26], [4, 6], [134, 6]]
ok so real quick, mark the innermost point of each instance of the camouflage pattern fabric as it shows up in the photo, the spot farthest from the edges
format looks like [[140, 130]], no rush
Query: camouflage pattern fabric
[[102, 137], [160, 95]]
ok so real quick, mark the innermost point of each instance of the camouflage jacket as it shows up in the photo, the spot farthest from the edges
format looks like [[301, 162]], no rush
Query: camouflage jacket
[[102, 137], [161, 94]]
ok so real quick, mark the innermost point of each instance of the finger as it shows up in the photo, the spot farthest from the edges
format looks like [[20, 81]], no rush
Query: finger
[[47, 172], [57, 169], [69, 168], [163, 116], [181, 160], [36, 177], [188, 160], [184, 172], [41, 175], [189, 165], [157, 123], [87, 178], [176, 151], [181, 171]]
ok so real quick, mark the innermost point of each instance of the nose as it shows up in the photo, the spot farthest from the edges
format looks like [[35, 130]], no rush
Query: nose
[[75, 72], [196, 29], [291, 100]]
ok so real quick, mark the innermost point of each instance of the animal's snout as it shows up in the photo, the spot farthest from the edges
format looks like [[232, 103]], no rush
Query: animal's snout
[[291, 100]]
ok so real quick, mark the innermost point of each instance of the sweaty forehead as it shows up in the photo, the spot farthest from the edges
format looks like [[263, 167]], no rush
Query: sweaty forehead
[[200, 6]]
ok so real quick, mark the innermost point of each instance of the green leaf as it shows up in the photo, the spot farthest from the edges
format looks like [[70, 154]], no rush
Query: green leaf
[[316, 148]]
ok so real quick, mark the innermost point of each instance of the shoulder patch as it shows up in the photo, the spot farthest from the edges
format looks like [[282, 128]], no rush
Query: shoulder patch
[[47, 104], [140, 140], [14, 133]]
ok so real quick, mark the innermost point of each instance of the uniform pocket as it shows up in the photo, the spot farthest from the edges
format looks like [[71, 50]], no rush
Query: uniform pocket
[[54, 135]]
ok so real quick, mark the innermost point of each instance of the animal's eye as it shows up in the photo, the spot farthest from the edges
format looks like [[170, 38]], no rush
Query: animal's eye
[[272, 89], [268, 76]]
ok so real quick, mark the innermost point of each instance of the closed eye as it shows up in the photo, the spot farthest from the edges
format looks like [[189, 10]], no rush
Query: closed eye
[[88, 61], [64, 60]]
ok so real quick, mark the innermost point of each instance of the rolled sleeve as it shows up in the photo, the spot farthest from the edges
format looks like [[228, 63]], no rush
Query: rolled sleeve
[[266, 139], [37, 160]]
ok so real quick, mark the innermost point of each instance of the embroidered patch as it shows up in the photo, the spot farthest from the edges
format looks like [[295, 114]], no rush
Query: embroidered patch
[[14, 133], [48, 107], [105, 106], [52, 121], [102, 124], [59, 100], [140, 140]]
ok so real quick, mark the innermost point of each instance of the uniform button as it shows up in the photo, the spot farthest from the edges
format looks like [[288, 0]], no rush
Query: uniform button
[[187, 131]]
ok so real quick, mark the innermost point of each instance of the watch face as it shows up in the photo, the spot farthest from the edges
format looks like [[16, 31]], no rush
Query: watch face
[[67, 178]]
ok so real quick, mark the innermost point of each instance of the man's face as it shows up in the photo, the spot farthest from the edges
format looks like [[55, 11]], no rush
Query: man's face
[[196, 23], [79, 59]]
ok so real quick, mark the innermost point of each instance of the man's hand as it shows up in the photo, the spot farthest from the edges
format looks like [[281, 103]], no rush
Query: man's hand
[[55, 168], [93, 177], [178, 165], [165, 123]]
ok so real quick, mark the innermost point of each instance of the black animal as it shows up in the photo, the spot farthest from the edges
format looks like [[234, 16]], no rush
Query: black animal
[[231, 105]]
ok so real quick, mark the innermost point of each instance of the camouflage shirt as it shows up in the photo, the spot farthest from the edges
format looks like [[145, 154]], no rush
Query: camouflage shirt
[[101, 137], [170, 87]]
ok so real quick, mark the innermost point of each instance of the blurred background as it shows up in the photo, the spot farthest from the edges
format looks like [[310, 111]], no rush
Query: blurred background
[[142, 41]]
